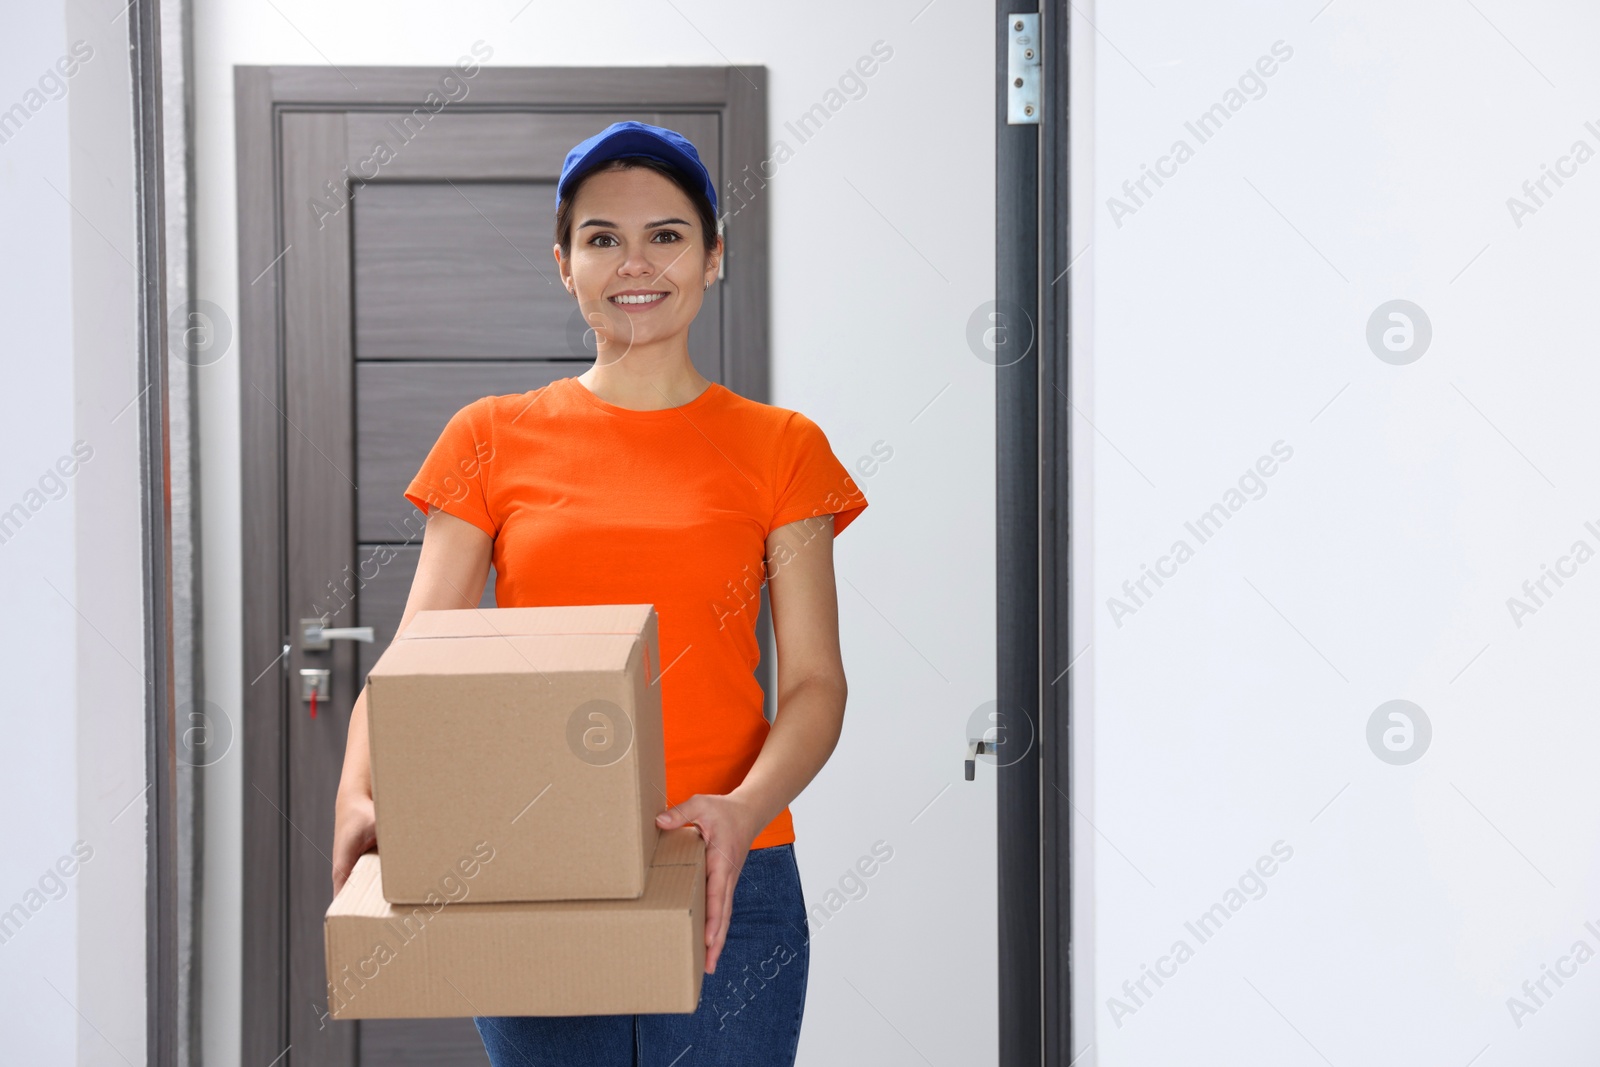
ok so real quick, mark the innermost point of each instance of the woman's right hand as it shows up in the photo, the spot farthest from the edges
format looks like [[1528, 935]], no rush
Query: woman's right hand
[[355, 831]]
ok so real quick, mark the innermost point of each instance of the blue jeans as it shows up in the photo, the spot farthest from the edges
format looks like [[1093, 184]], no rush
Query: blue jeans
[[749, 1011]]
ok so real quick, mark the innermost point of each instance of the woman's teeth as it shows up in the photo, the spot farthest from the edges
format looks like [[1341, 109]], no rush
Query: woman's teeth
[[650, 299]]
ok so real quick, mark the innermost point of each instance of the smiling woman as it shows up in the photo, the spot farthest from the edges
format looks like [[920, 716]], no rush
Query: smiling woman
[[641, 481], [656, 283]]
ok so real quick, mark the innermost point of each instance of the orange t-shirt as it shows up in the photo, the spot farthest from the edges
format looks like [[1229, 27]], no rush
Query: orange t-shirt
[[591, 503]]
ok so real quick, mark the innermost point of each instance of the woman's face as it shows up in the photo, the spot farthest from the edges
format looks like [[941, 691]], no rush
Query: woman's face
[[638, 266]]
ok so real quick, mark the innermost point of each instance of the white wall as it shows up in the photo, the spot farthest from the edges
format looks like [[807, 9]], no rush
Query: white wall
[[72, 768], [37, 768], [882, 226], [1230, 711], [112, 806]]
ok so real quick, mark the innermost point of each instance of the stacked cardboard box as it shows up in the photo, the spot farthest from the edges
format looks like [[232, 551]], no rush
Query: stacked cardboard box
[[517, 769]]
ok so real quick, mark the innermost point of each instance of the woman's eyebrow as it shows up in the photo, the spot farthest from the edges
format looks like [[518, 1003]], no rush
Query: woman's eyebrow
[[648, 225]]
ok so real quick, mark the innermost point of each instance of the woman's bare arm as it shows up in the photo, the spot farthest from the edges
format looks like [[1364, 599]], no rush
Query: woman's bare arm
[[451, 570], [811, 682]]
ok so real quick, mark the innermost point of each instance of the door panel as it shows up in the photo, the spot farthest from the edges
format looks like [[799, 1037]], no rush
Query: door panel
[[465, 270], [421, 1043], [504, 146], [403, 145], [458, 270], [421, 293], [400, 409], [504, 245], [383, 596]]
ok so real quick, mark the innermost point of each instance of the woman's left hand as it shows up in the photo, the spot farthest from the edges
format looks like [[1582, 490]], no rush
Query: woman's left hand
[[728, 827]]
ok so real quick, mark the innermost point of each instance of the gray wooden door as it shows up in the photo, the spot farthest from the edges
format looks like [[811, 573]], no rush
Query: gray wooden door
[[431, 286]]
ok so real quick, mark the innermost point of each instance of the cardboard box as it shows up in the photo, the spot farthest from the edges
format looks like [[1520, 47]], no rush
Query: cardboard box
[[455, 957], [534, 732]]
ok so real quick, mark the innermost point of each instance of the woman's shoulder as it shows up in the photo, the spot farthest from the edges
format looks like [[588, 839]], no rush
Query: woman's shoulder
[[506, 408], [770, 417]]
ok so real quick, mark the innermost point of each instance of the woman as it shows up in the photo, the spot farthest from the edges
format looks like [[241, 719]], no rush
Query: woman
[[640, 481]]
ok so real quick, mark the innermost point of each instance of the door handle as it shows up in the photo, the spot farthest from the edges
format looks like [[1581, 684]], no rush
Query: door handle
[[316, 637], [976, 746]]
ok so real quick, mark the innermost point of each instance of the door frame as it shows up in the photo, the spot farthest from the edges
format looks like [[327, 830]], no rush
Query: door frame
[[1033, 549], [161, 916], [261, 95], [1057, 634]]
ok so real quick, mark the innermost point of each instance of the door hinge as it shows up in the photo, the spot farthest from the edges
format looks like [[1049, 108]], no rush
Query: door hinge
[[1022, 69]]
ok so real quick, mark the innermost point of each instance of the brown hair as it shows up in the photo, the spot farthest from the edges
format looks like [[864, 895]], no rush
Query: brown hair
[[702, 206]]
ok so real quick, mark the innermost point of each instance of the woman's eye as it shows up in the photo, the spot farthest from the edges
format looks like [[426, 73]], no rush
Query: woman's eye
[[606, 240]]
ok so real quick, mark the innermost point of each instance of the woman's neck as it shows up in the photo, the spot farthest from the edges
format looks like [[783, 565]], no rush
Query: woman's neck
[[644, 384]]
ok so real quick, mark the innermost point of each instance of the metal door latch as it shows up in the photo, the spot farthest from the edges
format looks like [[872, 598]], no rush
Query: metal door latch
[[317, 683]]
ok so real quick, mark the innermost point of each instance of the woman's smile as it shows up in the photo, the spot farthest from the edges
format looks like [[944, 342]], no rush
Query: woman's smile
[[636, 300]]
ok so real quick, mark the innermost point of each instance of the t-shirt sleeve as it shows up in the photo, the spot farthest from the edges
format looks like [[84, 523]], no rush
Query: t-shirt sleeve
[[455, 476], [810, 480]]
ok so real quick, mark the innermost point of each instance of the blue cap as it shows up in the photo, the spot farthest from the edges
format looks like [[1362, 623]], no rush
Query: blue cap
[[636, 139]]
